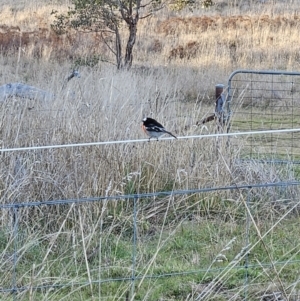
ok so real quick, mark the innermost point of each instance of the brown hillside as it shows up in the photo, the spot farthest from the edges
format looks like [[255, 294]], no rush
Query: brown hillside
[[43, 42], [204, 23]]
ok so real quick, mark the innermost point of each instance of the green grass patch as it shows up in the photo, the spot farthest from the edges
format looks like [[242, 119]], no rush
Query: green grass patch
[[170, 262]]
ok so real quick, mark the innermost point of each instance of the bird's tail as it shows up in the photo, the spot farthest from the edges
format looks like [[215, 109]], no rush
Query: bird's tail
[[170, 134]]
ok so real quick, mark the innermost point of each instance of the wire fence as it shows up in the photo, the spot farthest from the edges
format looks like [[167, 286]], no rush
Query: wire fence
[[29, 255]]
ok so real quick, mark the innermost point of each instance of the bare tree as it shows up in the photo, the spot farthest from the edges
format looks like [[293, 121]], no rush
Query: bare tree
[[106, 17]]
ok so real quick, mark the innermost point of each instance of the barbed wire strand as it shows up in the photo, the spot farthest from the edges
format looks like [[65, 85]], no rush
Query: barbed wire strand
[[152, 276], [147, 195]]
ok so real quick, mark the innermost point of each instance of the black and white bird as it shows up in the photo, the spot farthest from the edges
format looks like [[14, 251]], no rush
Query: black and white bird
[[154, 129]]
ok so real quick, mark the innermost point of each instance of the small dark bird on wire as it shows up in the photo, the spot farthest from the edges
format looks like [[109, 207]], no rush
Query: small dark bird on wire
[[154, 129]]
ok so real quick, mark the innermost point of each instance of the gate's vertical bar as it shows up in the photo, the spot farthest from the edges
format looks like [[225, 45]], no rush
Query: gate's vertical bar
[[247, 245], [292, 134], [252, 143], [228, 108], [274, 93], [134, 247], [15, 259]]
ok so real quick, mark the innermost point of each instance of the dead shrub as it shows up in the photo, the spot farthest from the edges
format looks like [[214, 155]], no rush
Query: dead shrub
[[170, 26], [177, 52], [37, 43], [188, 51], [191, 49], [177, 25], [155, 46]]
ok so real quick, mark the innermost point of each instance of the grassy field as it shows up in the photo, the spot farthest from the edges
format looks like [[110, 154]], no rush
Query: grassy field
[[188, 247]]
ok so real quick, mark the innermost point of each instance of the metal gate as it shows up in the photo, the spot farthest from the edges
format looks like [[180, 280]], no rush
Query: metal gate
[[265, 100]]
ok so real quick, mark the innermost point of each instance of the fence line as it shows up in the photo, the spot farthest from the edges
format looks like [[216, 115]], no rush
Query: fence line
[[152, 276], [148, 195], [135, 197], [146, 140]]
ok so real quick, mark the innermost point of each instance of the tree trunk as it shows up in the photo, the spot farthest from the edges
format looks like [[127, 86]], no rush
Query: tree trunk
[[132, 26], [118, 49]]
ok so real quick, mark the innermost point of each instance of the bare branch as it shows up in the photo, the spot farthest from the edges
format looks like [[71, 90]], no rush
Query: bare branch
[[147, 16], [105, 42]]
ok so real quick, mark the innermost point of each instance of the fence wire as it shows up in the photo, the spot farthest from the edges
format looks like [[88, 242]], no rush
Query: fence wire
[[28, 255]]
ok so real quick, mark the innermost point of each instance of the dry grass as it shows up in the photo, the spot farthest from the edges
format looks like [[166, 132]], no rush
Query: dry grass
[[96, 113], [173, 81]]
